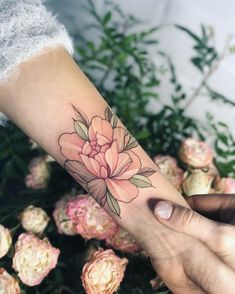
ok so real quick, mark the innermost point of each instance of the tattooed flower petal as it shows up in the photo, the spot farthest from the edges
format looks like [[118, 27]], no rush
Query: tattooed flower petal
[[122, 190]]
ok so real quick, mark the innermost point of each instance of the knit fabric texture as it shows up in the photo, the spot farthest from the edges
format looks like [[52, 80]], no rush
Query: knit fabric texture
[[26, 28]]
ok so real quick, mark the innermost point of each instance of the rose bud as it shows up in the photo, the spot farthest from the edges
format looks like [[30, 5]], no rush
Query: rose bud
[[63, 223], [169, 168], [124, 242], [34, 219], [39, 173], [103, 273], [197, 182], [196, 153], [91, 220], [5, 241], [8, 284], [34, 258]]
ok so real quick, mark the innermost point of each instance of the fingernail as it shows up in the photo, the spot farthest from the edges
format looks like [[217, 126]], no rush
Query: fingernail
[[163, 210]]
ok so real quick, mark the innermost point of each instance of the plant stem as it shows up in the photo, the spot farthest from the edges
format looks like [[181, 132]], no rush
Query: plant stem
[[208, 74]]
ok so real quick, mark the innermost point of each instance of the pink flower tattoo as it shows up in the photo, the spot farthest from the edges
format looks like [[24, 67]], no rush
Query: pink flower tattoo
[[99, 155]]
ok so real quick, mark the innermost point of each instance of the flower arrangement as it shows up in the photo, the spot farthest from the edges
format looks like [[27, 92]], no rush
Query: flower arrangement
[[54, 238]]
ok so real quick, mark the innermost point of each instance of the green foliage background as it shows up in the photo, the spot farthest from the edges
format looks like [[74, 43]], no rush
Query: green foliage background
[[121, 67]]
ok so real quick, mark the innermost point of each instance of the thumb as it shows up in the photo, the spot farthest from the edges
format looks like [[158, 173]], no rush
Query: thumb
[[185, 220]]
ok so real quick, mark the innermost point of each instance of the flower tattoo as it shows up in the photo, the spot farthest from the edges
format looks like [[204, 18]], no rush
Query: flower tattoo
[[99, 155]]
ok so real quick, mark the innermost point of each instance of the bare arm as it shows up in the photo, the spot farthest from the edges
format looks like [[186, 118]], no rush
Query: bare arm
[[57, 106]]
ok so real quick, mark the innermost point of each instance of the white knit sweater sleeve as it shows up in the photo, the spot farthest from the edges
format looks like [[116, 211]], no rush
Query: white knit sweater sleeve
[[26, 27]]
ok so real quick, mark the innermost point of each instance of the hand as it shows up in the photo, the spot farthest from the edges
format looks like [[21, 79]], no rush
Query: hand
[[210, 263]]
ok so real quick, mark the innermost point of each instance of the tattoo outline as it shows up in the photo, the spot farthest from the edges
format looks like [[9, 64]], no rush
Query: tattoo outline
[[99, 155]]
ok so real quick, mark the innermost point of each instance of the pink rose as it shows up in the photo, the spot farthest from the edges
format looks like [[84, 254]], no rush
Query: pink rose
[[169, 168], [34, 258], [225, 185], [39, 173], [103, 273], [8, 284], [91, 220], [100, 157], [196, 153], [124, 242], [63, 223], [5, 240]]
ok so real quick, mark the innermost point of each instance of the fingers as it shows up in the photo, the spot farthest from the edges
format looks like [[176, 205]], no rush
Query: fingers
[[196, 271], [220, 207], [220, 238], [209, 273], [184, 220]]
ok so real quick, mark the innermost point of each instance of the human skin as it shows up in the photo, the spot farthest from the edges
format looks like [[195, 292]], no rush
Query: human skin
[[211, 220], [42, 100]]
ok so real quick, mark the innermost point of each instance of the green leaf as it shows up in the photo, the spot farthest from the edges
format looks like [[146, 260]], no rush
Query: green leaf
[[81, 130], [113, 204], [140, 181], [132, 143], [4, 154], [190, 33], [108, 114], [146, 171], [114, 121], [107, 18], [81, 116]]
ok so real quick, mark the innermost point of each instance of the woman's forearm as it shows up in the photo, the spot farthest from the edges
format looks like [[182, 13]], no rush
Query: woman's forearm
[[57, 106]]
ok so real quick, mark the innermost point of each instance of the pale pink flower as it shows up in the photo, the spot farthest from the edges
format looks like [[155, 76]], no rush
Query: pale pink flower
[[5, 240], [8, 284], [197, 182], [34, 219], [101, 159], [63, 222], [124, 242], [91, 220], [196, 153], [103, 273], [225, 186], [169, 168], [34, 258], [39, 173]]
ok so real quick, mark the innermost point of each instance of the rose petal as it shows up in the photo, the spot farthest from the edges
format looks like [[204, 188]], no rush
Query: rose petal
[[97, 188], [71, 146], [119, 134], [111, 156], [132, 169], [91, 164], [79, 170], [124, 161], [122, 190], [101, 126]]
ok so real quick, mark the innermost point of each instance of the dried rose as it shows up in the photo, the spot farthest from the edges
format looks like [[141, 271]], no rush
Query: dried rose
[[8, 284], [103, 273], [39, 173], [197, 182], [34, 258], [124, 242], [5, 240], [34, 219], [169, 168], [196, 153], [91, 220], [63, 222]]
